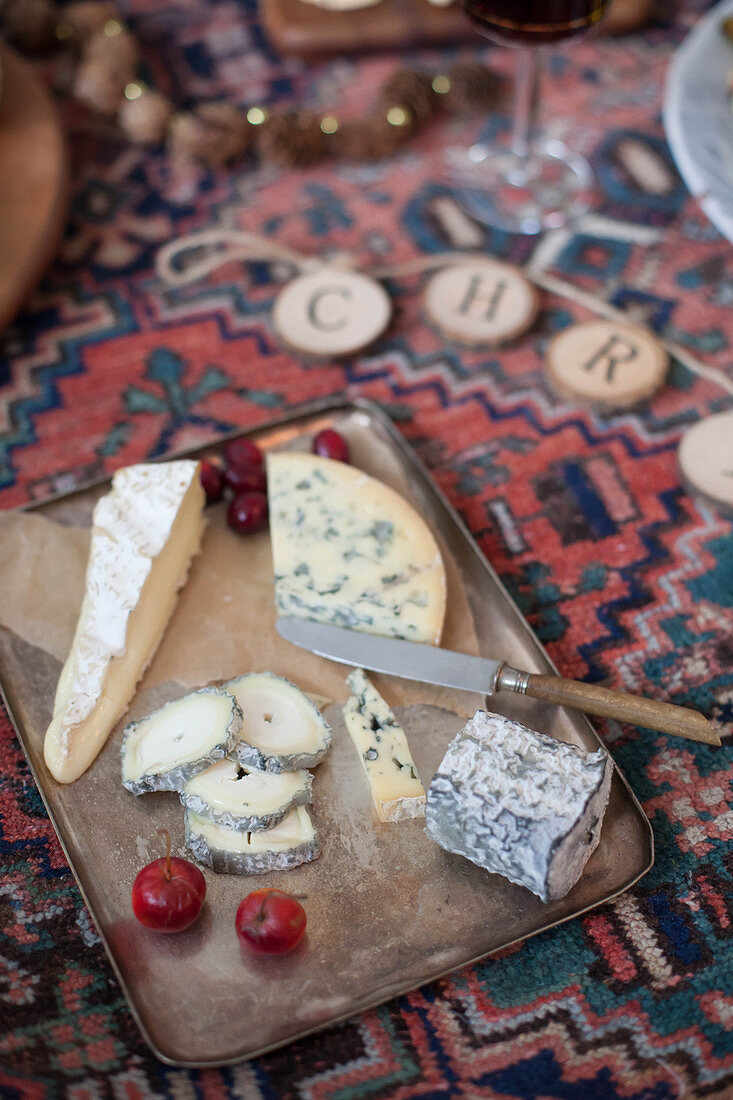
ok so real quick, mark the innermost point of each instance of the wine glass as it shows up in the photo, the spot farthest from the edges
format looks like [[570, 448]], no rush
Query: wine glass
[[532, 183]]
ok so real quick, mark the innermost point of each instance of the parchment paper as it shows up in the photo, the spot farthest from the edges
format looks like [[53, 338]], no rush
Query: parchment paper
[[224, 621]]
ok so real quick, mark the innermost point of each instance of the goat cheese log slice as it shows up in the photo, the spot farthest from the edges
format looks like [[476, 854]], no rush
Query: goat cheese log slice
[[283, 730], [519, 803], [243, 852], [245, 798], [166, 749], [397, 792], [350, 551], [145, 532]]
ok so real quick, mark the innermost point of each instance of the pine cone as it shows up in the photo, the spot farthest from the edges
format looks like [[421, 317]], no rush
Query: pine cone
[[365, 139], [473, 87], [30, 25], [215, 134], [146, 118], [292, 140], [87, 17], [98, 87], [411, 89]]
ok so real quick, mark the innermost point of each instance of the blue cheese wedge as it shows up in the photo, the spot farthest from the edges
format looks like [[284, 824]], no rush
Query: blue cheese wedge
[[166, 749], [350, 551], [255, 852], [519, 803], [283, 730], [396, 789], [245, 798], [145, 532]]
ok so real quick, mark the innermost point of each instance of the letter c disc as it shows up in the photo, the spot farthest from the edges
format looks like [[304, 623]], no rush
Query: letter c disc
[[329, 313]]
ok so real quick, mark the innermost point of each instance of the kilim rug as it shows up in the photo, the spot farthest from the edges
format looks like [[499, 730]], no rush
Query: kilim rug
[[626, 578]]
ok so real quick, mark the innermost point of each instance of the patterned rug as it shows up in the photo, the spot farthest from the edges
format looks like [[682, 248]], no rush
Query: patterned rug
[[626, 578]]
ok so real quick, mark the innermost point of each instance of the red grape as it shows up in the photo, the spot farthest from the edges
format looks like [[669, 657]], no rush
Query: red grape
[[212, 481], [270, 922], [242, 452], [245, 479], [247, 513], [330, 444], [168, 893]]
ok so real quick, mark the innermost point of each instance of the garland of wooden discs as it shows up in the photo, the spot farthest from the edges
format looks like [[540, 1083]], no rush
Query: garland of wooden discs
[[217, 133]]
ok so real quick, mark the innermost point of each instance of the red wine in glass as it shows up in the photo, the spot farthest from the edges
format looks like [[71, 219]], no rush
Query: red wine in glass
[[534, 22], [531, 182]]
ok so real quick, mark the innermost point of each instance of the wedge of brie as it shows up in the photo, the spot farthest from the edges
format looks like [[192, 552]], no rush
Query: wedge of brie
[[242, 852], [245, 798], [283, 730], [145, 532], [166, 749]]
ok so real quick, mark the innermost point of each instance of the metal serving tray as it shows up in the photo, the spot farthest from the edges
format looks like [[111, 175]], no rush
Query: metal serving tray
[[387, 909]]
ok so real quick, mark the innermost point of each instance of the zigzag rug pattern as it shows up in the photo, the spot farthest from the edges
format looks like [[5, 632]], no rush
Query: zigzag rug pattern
[[625, 577]]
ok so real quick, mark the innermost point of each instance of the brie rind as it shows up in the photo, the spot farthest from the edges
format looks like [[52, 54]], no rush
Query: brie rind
[[283, 730], [519, 803], [166, 749], [350, 551], [238, 797], [241, 852], [381, 742], [145, 532]]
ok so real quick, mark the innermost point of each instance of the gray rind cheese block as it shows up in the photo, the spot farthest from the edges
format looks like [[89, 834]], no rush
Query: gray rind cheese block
[[215, 742], [519, 803]]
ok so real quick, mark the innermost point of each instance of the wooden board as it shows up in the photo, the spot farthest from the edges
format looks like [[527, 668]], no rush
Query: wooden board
[[33, 182], [304, 30]]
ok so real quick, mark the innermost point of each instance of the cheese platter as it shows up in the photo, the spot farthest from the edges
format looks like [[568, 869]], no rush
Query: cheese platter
[[388, 908]]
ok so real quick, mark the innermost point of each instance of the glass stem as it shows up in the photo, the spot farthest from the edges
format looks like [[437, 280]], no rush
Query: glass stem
[[525, 102]]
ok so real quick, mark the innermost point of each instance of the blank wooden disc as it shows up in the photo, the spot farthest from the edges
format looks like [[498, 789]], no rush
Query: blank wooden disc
[[485, 302], [606, 365], [705, 459], [330, 313]]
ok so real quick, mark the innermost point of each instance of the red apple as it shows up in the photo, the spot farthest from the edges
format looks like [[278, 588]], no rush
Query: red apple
[[168, 893], [270, 922]]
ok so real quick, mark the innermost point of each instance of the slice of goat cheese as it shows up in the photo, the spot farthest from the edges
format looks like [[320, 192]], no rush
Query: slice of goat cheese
[[166, 749], [283, 730], [253, 852], [239, 797], [519, 803]]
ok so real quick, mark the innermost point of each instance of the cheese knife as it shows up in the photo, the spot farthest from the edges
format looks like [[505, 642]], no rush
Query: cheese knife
[[432, 665]]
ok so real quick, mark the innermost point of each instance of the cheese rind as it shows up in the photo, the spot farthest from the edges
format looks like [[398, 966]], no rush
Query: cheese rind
[[145, 532], [239, 797], [350, 551], [381, 742], [240, 852], [283, 730], [519, 803]]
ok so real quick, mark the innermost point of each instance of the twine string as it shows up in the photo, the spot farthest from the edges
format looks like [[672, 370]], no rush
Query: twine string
[[222, 246]]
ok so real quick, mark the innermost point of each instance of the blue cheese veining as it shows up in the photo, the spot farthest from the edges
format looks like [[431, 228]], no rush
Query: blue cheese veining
[[348, 550], [519, 803], [396, 789]]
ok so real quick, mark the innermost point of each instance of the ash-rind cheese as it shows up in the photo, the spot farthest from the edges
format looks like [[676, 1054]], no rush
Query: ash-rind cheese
[[350, 551], [519, 803], [396, 789]]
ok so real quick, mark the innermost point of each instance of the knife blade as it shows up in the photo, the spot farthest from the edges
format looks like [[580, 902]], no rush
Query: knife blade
[[432, 665], [408, 660]]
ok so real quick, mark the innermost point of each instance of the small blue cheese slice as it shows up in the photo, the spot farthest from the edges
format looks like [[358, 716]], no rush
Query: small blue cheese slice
[[396, 790], [519, 803]]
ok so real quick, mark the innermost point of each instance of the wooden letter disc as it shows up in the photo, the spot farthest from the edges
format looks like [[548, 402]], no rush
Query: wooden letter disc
[[705, 459], [606, 365], [481, 303], [330, 313]]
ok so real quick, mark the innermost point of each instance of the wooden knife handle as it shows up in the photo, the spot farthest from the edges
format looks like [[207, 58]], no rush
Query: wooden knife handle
[[650, 713]]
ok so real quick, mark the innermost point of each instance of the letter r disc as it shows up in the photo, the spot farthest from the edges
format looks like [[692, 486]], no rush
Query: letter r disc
[[329, 313], [606, 365], [480, 303]]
